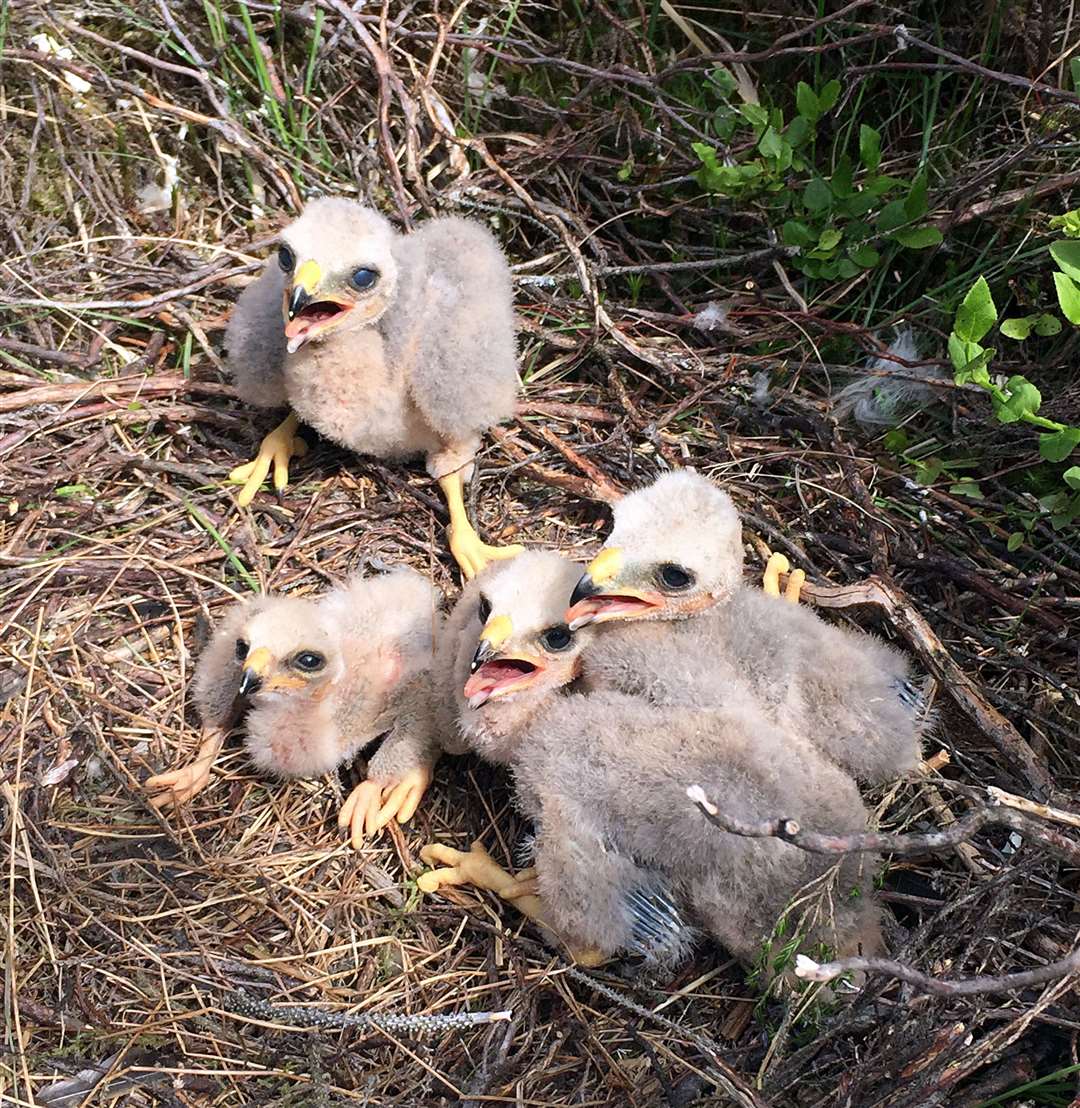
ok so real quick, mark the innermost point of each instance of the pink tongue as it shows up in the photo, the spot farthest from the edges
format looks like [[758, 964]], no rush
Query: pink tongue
[[492, 675], [296, 327]]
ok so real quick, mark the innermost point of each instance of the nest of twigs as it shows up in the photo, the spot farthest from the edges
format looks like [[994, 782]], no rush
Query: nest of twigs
[[149, 155]]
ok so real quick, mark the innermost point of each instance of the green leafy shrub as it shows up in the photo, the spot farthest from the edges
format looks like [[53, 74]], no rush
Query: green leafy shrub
[[836, 214]]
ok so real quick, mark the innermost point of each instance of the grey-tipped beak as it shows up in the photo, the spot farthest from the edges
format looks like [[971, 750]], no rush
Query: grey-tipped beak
[[250, 682], [484, 653], [299, 299], [583, 590]]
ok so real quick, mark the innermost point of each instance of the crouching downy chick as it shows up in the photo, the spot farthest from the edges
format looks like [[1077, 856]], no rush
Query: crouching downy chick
[[622, 863], [676, 624], [315, 680]]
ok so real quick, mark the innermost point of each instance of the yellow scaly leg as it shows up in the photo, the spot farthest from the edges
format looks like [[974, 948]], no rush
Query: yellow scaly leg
[[470, 552]]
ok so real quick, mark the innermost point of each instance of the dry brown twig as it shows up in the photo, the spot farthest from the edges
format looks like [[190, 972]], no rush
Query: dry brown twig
[[809, 970], [817, 842]]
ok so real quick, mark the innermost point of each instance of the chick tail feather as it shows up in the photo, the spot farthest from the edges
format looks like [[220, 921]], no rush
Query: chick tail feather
[[657, 928]]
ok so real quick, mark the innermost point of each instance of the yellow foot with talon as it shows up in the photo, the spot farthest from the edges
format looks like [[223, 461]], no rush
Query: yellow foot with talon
[[476, 868], [373, 804], [282, 444], [770, 581], [472, 554]]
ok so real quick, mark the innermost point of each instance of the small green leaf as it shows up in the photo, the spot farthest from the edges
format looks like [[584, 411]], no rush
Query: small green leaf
[[967, 487], [1018, 328], [830, 239], [724, 79], [1058, 445], [846, 268], [1068, 224], [626, 169], [817, 195], [842, 176], [1047, 324], [65, 492], [706, 153], [1067, 255], [896, 440], [882, 184], [958, 351], [1023, 400], [892, 216], [915, 204], [866, 256], [755, 114], [859, 204], [1068, 297], [828, 95], [977, 312], [919, 238], [1074, 72], [807, 103], [797, 234], [1016, 540], [771, 144], [1071, 477], [798, 131], [928, 471], [869, 147]]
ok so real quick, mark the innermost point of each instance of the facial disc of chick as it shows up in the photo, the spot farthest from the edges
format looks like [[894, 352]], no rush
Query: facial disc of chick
[[683, 628], [388, 344], [319, 678], [620, 859]]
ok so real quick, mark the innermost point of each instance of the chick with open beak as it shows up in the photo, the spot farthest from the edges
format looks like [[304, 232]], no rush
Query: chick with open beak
[[390, 345], [683, 628], [620, 864]]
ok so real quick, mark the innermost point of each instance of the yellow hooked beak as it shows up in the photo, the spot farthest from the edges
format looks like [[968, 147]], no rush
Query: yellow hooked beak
[[305, 282], [496, 631], [494, 674], [256, 666], [595, 598]]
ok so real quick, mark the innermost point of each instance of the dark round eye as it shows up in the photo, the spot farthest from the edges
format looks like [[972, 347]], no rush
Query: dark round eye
[[364, 279], [484, 611], [286, 259], [671, 576], [557, 638], [241, 650], [310, 661]]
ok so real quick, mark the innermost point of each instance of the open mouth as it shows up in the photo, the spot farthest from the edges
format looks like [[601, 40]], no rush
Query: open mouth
[[312, 318], [498, 677], [600, 608]]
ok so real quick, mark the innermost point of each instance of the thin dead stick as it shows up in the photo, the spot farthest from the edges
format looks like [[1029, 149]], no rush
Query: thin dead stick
[[920, 636], [252, 1007], [810, 970], [816, 842], [120, 389], [1022, 804], [906, 38]]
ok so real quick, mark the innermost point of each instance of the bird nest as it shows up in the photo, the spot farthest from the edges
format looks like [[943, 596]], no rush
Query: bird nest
[[149, 157]]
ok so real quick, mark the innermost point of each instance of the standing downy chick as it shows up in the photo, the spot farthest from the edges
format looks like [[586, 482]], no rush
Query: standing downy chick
[[320, 678], [389, 344], [622, 862], [690, 632]]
